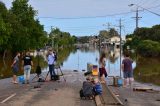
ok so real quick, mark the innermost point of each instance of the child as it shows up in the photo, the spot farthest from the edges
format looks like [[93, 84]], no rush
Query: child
[[97, 87], [87, 89]]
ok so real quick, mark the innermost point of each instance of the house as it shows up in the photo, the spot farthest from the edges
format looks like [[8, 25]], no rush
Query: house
[[115, 41]]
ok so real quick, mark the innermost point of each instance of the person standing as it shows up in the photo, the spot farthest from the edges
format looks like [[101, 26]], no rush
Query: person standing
[[15, 67], [127, 70], [27, 65], [51, 61], [102, 69]]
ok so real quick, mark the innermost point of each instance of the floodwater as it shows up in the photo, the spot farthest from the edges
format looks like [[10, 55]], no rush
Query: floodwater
[[77, 59]]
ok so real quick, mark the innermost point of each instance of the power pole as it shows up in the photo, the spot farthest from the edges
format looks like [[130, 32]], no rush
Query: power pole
[[120, 45], [137, 18], [52, 37], [120, 30], [108, 26], [51, 28]]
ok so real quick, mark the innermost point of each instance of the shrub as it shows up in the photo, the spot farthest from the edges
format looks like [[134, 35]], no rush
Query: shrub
[[149, 48]]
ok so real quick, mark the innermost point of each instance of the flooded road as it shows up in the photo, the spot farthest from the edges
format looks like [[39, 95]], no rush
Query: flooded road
[[77, 59]]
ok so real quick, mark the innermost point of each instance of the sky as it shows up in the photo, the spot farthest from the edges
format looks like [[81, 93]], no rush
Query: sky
[[88, 17]]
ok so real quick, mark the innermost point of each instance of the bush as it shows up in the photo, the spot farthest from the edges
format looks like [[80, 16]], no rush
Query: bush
[[149, 48]]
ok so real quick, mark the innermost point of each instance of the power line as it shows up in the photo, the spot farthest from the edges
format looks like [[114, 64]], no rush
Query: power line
[[154, 7], [103, 16], [109, 15], [152, 2]]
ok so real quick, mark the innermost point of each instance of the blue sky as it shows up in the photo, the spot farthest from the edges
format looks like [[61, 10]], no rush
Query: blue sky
[[68, 15]]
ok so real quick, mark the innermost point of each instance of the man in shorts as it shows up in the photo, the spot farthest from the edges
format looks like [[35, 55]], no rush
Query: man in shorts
[[127, 70]]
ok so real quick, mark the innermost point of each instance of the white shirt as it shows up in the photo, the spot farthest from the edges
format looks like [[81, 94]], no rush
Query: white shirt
[[51, 59]]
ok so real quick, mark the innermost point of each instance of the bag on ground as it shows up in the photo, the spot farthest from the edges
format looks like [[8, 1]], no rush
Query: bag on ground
[[55, 77], [87, 89], [81, 93]]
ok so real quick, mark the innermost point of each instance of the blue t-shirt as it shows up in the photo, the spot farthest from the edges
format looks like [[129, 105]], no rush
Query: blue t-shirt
[[98, 88]]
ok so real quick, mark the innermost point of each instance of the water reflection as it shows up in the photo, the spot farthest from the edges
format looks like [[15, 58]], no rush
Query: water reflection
[[148, 70], [5, 65], [78, 60], [72, 59]]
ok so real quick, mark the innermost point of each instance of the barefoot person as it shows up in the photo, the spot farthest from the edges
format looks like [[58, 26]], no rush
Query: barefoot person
[[127, 70], [27, 64], [15, 67], [102, 69]]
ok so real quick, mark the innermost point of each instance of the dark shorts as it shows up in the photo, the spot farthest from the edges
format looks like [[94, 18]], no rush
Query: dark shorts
[[102, 71], [15, 70], [128, 74]]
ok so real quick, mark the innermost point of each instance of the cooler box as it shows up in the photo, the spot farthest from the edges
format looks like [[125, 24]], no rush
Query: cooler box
[[95, 70]]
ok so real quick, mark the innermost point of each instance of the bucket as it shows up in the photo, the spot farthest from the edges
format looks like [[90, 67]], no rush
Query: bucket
[[120, 82], [21, 79], [117, 81]]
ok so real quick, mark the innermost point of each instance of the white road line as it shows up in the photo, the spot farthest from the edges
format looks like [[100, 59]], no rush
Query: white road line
[[8, 98]]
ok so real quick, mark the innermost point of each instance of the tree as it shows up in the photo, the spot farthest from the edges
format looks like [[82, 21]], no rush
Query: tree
[[108, 34], [5, 29], [60, 38], [145, 41], [113, 32], [148, 33], [26, 29]]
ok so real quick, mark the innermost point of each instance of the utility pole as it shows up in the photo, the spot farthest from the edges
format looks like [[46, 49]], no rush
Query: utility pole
[[120, 27], [137, 18], [108, 26], [52, 37], [120, 45], [51, 28]]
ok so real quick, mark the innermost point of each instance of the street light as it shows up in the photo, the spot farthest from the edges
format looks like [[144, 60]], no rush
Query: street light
[[144, 9]]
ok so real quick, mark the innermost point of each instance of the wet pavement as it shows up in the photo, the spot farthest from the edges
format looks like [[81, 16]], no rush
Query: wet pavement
[[61, 93], [53, 93], [130, 97]]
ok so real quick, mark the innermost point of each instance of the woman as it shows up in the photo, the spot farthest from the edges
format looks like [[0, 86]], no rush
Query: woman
[[102, 70], [15, 67], [27, 64]]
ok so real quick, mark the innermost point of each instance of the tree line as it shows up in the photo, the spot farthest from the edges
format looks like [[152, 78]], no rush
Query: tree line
[[146, 41], [20, 30], [103, 34], [60, 39]]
